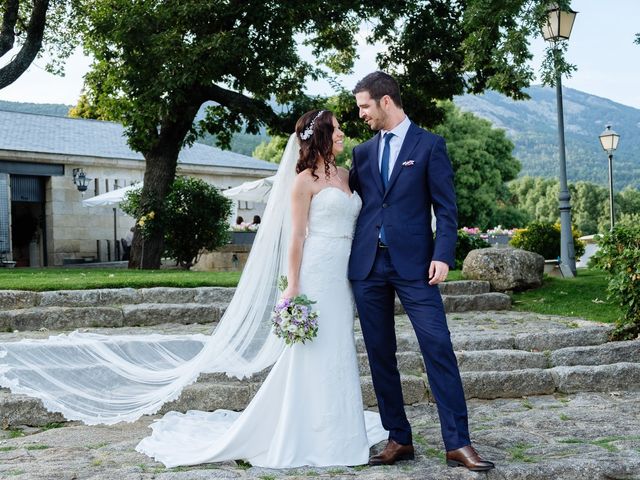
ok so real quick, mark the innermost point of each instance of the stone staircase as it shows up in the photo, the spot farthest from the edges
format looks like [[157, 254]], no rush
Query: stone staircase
[[127, 307], [501, 354]]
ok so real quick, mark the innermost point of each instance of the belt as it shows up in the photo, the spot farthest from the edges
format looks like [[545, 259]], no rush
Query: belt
[[382, 245]]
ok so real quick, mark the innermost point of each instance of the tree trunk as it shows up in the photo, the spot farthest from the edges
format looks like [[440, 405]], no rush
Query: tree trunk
[[160, 170], [146, 252]]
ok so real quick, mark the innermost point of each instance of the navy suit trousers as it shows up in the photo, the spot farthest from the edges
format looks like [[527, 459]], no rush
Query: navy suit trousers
[[375, 298]]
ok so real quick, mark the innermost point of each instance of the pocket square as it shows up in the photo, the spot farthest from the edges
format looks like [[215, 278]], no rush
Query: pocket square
[[408, 163]]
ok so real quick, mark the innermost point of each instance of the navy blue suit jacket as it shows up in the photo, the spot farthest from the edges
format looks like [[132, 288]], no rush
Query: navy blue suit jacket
[[422, 177]]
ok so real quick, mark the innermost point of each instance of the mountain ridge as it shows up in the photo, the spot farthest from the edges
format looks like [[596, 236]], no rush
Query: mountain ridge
[[533, 127]]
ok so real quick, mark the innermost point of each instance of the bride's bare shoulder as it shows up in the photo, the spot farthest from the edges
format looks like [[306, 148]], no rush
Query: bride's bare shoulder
[[304, 181], [344, 173]]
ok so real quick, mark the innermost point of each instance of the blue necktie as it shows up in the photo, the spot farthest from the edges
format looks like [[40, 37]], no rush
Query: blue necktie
[[384, 173]]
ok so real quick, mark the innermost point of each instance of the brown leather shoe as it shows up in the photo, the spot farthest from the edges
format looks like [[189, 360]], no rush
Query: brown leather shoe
[[392, 453], [469, 458]]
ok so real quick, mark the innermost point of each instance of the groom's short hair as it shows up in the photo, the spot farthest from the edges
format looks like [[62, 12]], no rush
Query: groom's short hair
[[379, 84]]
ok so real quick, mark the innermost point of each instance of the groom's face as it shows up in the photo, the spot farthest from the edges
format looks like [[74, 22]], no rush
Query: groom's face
[[370, 111]]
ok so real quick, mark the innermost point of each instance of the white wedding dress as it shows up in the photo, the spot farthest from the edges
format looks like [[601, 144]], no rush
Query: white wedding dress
[[309, 409]]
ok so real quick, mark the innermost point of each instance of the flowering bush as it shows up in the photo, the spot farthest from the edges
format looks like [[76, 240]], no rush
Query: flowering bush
[[293, 319], [544, 238], [145, 224], [619, 255], [500, 231]]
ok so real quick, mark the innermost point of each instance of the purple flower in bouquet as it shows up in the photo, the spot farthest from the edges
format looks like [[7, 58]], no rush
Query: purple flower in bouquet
[[293, 319]]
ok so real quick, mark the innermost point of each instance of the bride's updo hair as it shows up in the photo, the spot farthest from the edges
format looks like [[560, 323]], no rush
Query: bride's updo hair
[[315, 134]]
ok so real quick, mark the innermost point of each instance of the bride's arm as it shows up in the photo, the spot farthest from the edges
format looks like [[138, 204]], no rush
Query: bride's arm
[[300, 202]]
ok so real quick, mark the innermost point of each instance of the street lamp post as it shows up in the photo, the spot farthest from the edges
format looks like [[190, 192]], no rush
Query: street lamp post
[[558, 28], [609, 141]]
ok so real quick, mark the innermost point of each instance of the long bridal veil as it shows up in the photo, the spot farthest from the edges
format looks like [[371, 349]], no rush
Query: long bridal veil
[[107, 379]]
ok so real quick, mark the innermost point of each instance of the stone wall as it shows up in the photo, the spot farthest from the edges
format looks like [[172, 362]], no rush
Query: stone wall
[[229, 258]]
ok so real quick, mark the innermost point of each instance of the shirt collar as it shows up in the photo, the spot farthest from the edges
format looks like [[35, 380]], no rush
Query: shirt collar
[[400, 130]]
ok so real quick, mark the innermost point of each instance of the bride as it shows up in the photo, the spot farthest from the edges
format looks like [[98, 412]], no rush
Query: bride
[[309, 409]]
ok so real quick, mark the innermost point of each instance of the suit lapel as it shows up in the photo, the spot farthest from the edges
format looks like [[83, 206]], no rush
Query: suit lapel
[[373, 155], [410, 141]]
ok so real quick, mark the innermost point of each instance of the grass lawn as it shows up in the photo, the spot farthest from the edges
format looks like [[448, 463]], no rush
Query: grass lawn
[[584, 296], [40, 279]]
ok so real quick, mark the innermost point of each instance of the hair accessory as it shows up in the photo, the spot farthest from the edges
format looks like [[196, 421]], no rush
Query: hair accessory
[[306, 134]]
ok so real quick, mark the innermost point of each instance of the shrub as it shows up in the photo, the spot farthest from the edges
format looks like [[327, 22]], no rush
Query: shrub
[[193, 216], [544, 238], [619, 255], [465, 244]]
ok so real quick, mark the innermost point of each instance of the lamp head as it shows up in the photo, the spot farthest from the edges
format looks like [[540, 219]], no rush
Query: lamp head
[[559, 23], [80, 179], [609, 140]]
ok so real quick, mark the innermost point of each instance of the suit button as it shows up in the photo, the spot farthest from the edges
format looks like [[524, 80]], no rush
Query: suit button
[[385, 205]]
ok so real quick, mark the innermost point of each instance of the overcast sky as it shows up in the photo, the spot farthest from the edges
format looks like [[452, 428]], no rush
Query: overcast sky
[[601, 46]]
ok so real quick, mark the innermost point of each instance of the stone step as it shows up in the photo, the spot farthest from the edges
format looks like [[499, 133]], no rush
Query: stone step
[[495, 340], [235, 394], [203, 395], [476, 302], [505, 360], [70, 309], [56, 317], [464, 287], [66, 318], [607, 353], [464, 338], [622, 376], [20, 299], [469, 302]]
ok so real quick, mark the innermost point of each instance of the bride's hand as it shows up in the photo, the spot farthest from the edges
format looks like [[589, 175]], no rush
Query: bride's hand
[[290, 292]]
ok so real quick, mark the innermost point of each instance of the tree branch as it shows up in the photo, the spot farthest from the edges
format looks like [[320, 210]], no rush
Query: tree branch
[[246, 106], [9, 19], [35, 31]]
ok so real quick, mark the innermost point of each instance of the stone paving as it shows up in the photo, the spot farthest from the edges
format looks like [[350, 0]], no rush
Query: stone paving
[[591, 432]]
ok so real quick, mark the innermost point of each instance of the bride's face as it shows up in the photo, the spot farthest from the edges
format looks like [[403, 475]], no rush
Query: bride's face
[[337, 137]]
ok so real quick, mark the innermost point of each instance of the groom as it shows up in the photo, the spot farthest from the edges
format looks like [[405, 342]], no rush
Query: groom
[[400, 174]]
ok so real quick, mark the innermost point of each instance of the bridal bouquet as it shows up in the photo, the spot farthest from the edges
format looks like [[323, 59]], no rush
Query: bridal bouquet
[[293, 318]]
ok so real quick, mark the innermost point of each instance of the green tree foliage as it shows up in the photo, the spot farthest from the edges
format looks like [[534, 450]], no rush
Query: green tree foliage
[[538, 197], [544, 238], [619, 254], [34, 27], [156, 63], [272, 150], [587, 206], [628, 201], [482, 161], [86, 109], [194, 217]]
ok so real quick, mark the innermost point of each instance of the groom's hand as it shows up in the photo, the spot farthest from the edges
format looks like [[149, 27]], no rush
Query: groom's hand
[[437, 272]]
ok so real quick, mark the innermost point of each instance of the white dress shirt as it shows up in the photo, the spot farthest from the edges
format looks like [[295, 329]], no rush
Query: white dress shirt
[[399, 132]]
